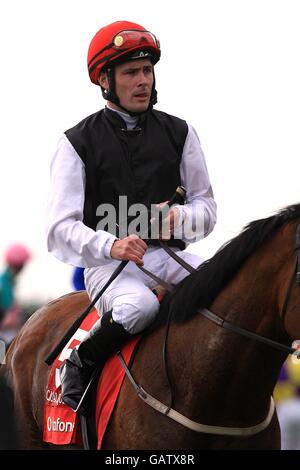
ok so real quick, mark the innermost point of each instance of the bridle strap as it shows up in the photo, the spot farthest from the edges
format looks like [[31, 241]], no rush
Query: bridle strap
[[249, 334], [169, 411], [236, 329], [241, 331]]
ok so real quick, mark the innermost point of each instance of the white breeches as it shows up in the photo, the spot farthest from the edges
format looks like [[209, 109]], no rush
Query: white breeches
[[129, 296]]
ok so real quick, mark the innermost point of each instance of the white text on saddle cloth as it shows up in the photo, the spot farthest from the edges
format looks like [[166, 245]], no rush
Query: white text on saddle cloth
[[78, 336]]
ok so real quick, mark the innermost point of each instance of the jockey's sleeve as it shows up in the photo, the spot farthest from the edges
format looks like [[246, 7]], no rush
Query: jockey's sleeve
[[74, 243], [67, 237], [198, 214]]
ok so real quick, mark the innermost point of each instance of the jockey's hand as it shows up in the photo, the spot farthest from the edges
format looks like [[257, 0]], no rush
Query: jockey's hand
[[130, 248], [169, 223]]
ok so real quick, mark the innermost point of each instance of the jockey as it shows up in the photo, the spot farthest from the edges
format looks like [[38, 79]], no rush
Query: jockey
[[120, 161]]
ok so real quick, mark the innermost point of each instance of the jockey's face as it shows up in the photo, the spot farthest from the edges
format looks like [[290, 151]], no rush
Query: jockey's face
[[133, 84]]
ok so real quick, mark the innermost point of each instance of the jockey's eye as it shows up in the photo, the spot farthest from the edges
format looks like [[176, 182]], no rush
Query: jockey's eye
[[148, 69]]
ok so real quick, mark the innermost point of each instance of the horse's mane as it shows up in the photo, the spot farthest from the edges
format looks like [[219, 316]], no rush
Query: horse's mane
[[199, 289]]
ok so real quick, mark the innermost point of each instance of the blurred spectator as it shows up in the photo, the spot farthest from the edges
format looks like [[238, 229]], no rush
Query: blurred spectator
[[78, 279], [16, 257], [287, 398]]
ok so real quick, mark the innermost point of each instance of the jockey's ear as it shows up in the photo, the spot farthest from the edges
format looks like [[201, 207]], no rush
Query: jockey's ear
[[103, 82]]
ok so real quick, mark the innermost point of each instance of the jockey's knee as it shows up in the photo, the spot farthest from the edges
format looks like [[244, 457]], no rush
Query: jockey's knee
[[135, 316]]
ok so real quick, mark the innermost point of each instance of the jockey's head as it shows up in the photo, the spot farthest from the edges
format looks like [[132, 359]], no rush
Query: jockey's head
[[120, 44]]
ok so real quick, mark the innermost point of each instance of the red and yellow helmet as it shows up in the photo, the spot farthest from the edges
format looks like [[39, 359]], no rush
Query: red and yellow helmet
[[117, 40]]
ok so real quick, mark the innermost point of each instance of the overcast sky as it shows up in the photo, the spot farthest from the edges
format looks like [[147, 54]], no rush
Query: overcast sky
[[229, 67]]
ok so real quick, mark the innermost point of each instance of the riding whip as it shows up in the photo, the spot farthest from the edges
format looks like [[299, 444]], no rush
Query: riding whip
[[177, 198]]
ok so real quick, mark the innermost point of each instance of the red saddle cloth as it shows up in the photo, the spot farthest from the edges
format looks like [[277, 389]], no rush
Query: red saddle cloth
[[61, 423]]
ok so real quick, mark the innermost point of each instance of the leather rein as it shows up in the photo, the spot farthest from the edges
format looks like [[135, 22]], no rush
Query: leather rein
[[173, 414], [230, 326]]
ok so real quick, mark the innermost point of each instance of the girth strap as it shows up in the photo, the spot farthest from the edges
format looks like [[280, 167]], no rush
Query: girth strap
[[193, 425]]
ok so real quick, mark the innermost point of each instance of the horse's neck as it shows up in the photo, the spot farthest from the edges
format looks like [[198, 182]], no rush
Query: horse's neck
[[235, 370], [252, 299]]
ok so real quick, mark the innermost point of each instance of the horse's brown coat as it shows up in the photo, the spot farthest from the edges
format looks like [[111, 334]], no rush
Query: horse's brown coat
[[218, 377]]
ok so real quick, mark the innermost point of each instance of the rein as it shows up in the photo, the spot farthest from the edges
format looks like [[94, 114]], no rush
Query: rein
[[178, 417], [239, 330], [248, 334], [254, 336], [177, 198]]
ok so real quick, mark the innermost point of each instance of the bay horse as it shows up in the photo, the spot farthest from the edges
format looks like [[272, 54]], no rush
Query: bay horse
[[217, 376]]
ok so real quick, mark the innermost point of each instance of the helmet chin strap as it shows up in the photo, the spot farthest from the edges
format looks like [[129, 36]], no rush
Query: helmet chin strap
[[110, 94]]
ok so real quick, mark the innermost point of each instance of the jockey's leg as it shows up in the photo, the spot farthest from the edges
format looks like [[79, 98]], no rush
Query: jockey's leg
[[132, 306], [92, 352]]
